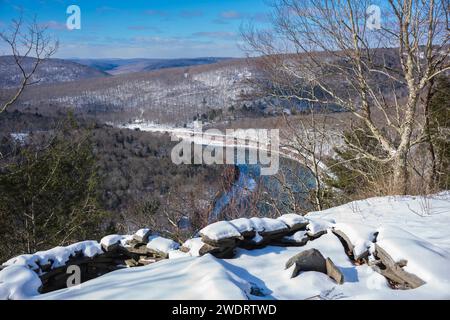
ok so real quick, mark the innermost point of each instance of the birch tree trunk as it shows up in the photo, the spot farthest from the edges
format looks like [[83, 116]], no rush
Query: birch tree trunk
[[326, 52]]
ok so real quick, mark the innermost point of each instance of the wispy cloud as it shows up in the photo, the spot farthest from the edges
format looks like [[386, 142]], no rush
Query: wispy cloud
[[231, 15], [106, 9], [159, 13], [226, 16], [224, 35], [191, 14], [152, 48], [167, 41], [144, 28], [53, 25], [220, 21]]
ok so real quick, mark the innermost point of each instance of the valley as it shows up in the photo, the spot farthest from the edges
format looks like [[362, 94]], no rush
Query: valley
[[244, 150]]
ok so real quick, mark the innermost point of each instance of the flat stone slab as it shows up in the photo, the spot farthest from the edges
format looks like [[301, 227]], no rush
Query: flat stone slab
[[333, 272], [309, 260]]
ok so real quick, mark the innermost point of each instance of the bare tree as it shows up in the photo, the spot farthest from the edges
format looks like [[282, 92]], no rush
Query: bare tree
[[335, 58], [310, 137], [27, 41]]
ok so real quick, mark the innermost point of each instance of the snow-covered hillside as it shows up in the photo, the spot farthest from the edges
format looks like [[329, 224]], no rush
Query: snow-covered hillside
[[414, 231], [173, 95], [49, 71]]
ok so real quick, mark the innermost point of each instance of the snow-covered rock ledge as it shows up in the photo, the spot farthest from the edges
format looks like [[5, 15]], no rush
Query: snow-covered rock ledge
[[363, 250], [29, 275]]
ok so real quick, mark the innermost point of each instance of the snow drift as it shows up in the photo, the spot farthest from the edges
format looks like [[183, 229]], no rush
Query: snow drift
[[413, 231]]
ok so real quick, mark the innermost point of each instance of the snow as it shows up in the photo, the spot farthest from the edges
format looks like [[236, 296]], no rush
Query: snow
[[426, 217], [185, 278], [422, 238], [318, 225], [210, 278], [142, 232], [360, 235], [220, 230], [18, 282], [194, 245], [161, 244], [20, 277], [257, 238], [57, 257], [177, 254], [267, 225], [427, 261], [114, 239], [292, 219], [298, 236], [20, 137], [242, 225]]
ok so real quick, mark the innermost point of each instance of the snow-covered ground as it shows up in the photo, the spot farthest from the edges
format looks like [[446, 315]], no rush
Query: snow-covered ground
[[413, 229]]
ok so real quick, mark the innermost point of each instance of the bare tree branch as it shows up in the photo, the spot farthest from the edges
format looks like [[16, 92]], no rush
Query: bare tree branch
[[27, 41]]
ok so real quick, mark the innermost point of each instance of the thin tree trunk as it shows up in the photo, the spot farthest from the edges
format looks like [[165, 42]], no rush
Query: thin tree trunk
[[429, 139], [401, 171]]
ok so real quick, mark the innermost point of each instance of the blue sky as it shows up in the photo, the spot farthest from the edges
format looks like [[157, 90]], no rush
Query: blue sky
[[143, 28]]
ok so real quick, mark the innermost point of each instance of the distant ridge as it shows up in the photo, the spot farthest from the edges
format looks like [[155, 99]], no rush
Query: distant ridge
[[49, 71], [122, 66]]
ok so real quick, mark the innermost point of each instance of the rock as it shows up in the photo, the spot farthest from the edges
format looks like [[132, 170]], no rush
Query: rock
[[313, 260], [350, 248], [137, 249], [256, 242], [184, 249], [132, 243], [146, 260], [333, 272], [54, 272], [399, 278], [111, 248], [131, 263], [298, 239], [142, 235], [270, 228], [274, 235], [252, 245], [161, 246], [207, 248], [112, 242], [294, 221], [244, 226], [157, 253], [347, 244], [104, 258], [221, 234], [192, 246], [309, 260], [45, 267], [317, 225], [248, 234], [314, 236], [225, 242], [218, 252], [228, 253]]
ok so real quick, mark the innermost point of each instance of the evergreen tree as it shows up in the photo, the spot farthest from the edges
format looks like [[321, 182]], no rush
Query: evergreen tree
[[440, 132], [353, 174], [48, 197]]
